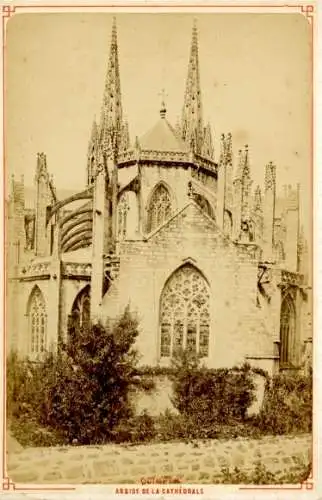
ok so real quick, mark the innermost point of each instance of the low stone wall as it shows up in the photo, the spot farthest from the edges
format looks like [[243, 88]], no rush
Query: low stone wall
[[195, 463], [159, 399]]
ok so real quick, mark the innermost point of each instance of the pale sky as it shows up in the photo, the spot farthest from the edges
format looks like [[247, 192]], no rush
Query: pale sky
[[255, 82]]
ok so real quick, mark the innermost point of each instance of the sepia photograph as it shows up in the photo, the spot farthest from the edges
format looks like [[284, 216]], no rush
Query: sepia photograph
[[158, 249]]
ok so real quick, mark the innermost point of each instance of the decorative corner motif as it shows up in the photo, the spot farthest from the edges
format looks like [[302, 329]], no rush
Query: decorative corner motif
[[8, 10], [7, 484], [308, 483], [308, 12]]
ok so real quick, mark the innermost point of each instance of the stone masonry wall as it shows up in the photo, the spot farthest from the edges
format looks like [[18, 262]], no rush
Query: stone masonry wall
[[194, 463], [191, 237]]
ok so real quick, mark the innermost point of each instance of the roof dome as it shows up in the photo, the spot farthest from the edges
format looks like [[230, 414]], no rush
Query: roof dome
[[162, 137]]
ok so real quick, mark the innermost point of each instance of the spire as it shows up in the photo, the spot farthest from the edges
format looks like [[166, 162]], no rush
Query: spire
[[270, 176], [208, 146], [91, 155], [257, 199], [229, 149], [41, 168], [125, 138], [93, 137], [243, 169], [222, 149], [111, 114], [192, 123]]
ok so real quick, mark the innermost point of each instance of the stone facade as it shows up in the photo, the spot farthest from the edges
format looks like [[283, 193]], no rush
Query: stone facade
[[207, 260]]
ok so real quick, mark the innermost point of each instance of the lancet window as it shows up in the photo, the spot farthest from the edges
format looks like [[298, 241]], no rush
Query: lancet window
[[82, 307], [159, 208], [185, 313], [287, 331], [37, 322]]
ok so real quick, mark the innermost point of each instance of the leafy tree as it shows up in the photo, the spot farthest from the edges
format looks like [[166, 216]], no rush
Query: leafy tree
[[88, 394]]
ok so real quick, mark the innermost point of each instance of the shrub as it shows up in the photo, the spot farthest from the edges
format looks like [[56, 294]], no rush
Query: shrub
[[287, 405], [260, 474], [208, 397], [137, 429], [89, 395], [81, 393]]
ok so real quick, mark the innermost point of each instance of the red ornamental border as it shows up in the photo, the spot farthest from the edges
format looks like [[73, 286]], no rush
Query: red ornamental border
[[7, 11]]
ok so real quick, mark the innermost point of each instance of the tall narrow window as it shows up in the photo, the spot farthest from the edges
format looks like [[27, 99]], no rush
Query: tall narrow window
[[37, 322], [82, 308], [185, 313], [159, 208], [287, 331]]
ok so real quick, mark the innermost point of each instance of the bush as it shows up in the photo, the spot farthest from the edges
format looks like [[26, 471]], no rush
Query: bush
[[89, 396], [81, 394], [262, 475], [137, 429], [207, 397], [287, 405]]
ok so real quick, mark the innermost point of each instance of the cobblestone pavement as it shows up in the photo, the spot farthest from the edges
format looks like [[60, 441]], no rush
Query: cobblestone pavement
[[198, 462]]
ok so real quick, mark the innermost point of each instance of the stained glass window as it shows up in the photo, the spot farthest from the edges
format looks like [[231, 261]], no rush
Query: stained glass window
[[37, 322], [287, 331], [185, 312], [159, 208]]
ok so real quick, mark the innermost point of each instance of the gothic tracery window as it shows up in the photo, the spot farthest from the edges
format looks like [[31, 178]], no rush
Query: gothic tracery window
[[123, 208], [37, 322], [82, 307], [185, 313], [159, 208], [287, 331]]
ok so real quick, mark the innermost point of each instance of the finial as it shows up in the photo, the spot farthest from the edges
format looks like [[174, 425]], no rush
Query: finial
[[163, 109]]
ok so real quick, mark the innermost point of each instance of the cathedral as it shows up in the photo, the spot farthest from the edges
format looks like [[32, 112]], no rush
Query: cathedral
[[208, 261]]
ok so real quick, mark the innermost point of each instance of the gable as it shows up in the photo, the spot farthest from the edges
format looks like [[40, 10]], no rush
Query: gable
[[191, 224]]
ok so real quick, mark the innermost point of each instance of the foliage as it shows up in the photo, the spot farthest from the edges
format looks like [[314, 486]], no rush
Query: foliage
[[262, 475], [82, 393], [137, 429], [287, 405], [208, 397]]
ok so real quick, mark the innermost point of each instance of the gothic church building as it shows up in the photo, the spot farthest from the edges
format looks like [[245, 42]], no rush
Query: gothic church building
[[208, 261]]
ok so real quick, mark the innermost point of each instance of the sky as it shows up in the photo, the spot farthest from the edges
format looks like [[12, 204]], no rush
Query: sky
[[255, 83]]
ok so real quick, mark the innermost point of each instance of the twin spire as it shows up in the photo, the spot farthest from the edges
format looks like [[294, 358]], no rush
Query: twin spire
[[111, 134]]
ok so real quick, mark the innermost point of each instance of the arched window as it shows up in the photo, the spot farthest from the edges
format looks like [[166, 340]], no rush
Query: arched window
[[287, 331], [159, 208], [81, 310], [204, 204], [37, 319], [122, 211], [185, 312]]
